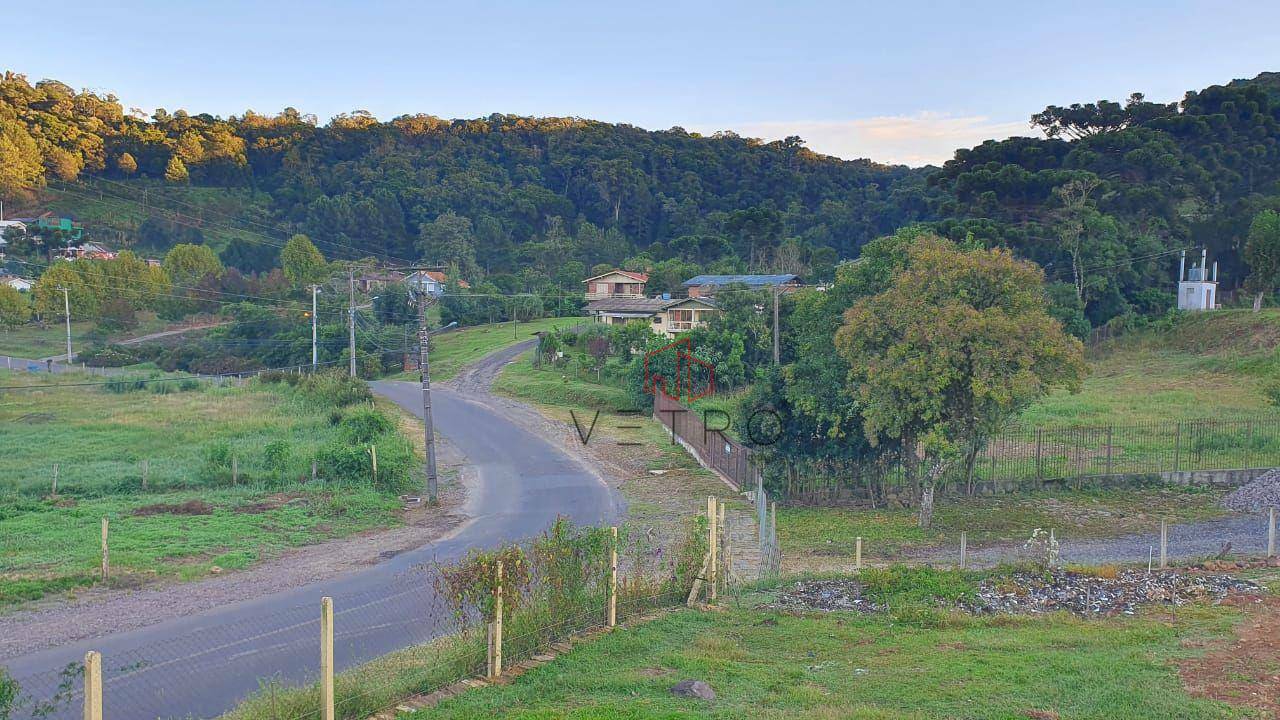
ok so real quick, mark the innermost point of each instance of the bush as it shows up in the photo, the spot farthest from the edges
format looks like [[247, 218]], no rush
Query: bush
[[8, 694], [125, 384], [335, 388], [1271, 391], [109, 356], [365, 426], [276, 456]]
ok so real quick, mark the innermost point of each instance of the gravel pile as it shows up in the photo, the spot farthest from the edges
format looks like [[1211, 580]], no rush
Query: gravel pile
[[1257, 496], [1030, 593], [826, 595]]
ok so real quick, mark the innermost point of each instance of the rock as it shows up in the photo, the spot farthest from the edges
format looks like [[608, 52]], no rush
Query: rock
[[1257, 496], [215, 570], [693, 689]]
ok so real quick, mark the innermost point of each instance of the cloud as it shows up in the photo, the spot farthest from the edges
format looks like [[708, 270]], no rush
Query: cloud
[[921, 139]]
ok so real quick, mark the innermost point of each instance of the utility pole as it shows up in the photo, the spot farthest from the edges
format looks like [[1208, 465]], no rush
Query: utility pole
[[776, 291], [424, 367], [314, 357], [66, 304], [351, 322]]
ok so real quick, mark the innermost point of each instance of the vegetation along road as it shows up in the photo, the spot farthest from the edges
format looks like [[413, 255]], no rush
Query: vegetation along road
[[208, 662]]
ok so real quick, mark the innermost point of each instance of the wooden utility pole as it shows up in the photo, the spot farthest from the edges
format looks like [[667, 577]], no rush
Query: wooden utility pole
[[424, 368], [314, 354], [351, 320], [106, 559]]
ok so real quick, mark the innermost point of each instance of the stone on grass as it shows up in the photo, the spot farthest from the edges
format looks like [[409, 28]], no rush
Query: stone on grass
[[694, 689]]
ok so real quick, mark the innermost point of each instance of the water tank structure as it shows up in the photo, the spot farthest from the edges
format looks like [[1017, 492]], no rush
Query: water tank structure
[[1197, 287]]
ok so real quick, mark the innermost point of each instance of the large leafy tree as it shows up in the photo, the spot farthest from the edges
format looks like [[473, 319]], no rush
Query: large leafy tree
[[955, 346], [303, 262], [1262, 253], [15, 308], [187, 264]]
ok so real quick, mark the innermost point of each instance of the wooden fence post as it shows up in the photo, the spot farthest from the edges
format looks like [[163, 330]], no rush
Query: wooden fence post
[[106, 558], [93, 685], [326, 659], [712, 541], [497, 625], [54, 491], [857, 553], [373, 457], [613, 577], [235, 470], [964, 549], [146, 473], [1164, 544]]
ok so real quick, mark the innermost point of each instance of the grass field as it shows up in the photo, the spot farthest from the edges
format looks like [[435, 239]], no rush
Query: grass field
[[1207, 365], [820, 532], [452, 351], [192, 514], [554, 386], [913, 664]]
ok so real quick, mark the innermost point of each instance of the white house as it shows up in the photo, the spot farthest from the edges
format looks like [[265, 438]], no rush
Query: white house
[[15, 282]]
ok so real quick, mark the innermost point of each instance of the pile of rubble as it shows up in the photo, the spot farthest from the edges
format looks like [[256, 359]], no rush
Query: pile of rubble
[[841, 594], [1059, 590], [1030, 593], [1257, 496]]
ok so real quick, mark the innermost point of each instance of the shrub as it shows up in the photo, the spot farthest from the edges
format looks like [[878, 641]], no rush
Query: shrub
[[276, 456], [365, 425], [109, 356], [125, 384], [335, 388], [217, 458], [1271, 391], [8, 694]]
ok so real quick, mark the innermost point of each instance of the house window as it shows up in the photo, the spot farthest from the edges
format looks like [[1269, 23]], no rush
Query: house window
[[602, 288], [681, 319], [657, 319]]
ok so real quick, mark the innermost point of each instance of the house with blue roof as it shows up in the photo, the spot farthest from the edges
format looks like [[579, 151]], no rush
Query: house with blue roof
[[707, 285]]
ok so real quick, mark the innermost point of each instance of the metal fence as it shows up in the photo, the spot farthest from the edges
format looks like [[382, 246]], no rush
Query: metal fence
[[1023, 458], [732, 461]]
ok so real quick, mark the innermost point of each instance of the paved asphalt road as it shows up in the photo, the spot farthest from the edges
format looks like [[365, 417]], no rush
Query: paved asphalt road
[[202, 665]]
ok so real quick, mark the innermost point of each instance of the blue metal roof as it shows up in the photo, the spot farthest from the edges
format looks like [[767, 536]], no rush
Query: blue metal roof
[[748, 280]]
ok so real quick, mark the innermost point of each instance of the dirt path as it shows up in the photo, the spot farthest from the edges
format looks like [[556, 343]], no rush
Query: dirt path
[[102, 610], [1245, 671]]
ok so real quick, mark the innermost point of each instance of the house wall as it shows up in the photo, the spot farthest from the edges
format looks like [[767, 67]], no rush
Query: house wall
[[614, 285]]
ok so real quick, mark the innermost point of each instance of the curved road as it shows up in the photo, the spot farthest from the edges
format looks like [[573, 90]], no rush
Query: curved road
[[203, 665]]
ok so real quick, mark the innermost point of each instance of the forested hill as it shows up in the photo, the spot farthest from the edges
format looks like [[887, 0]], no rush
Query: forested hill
[[1102, 199]]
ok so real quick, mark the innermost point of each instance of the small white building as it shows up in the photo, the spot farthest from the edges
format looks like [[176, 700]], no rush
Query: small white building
[[1197, 287], [17, 283]]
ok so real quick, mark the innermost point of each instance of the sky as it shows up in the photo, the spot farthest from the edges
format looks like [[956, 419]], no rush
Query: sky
[[904, 82]]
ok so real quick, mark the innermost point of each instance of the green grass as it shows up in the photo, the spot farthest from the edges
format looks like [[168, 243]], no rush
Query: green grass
[[1207, 365], [33, 342], [561, 387], [832, 532], [770, 665], [452, 351], [48, 547], [99, 439]]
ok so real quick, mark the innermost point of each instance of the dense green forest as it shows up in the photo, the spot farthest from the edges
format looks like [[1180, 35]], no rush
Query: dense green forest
[[1102, 200]]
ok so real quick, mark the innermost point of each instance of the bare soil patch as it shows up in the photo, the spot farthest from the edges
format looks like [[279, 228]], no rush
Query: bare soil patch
[[269, 503], [190, 507], [1245, 671]]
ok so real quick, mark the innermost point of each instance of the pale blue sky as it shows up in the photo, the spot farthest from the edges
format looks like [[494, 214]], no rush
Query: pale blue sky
[[896, 81]]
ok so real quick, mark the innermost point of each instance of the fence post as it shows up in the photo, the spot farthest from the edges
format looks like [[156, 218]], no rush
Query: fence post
[[54, 491], [722, 532], [857, 553], [1177, 452], [326, 659], [235, 470], [773, 534], [497, 625], [712, 542], [1039, 470], [1164, 544], [373, 458], [93, 685], [146, 472], [1271, 532], [964, 549], [613, 577], [106, 559], [1109, 432]]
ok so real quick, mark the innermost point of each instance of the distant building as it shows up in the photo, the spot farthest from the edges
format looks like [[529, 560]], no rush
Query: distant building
[[707, 285], [378, 279], [6, 224], [616, 284], [1197, 287], [431, 282], [15, 282], [663, 316]]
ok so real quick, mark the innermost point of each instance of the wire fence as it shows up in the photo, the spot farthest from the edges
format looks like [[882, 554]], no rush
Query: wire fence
[[393, 638], [1023, 459]]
